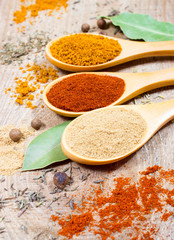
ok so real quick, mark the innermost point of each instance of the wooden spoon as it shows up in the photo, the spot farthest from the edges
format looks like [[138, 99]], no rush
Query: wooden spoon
[[156, 115], [135, 84], [131, 50]]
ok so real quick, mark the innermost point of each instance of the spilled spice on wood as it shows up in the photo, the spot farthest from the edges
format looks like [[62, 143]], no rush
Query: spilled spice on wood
[[34, 8], [27, 85], [128, 208]]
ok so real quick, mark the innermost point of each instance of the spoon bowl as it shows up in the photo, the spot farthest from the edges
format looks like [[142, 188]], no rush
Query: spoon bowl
[[155, 115], [135, 84], [131, 50]]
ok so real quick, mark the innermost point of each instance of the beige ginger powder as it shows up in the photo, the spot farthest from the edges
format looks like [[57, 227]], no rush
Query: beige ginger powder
[[105, 133], [12, 153]]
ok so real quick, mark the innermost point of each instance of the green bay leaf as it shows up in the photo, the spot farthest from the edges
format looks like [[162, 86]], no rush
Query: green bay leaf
[[140, 26], [45, 149]]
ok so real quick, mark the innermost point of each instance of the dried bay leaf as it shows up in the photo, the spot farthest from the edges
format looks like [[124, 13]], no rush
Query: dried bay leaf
[[45, 149], [140, 26]]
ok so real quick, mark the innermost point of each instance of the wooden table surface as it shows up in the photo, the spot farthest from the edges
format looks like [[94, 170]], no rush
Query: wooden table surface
[[159, 150]]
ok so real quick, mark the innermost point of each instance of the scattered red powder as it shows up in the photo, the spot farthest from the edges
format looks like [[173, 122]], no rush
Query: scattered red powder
[[127, 209], [151, 170], [81, 221], [166, 215]]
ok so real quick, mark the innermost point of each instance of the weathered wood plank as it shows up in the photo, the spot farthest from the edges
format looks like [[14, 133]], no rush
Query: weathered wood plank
[[159, 150]]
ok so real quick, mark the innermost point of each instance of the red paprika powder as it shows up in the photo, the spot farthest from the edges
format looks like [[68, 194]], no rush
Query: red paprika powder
[[128, 208], [85, 92]]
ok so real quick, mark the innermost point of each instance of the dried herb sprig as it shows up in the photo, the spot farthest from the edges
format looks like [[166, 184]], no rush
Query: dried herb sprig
[[13, 51]]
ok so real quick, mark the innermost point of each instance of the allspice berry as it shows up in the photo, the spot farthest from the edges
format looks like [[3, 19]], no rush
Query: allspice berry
[[101, 23], [15, 134], [36, 124], [60, 179], [85, 27]]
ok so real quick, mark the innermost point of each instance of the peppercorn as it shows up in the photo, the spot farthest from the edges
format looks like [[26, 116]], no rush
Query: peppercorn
[[15, 134], [101, 23], [36, 124], [85, 27], [60, 179]]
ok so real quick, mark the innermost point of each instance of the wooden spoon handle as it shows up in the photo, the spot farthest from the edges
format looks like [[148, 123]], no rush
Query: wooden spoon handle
[[137, 83], [159, 48], [151, 80], [157, 115], [134, 50]]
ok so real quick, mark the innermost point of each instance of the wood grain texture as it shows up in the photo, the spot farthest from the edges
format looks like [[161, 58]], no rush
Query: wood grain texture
[[159, 150]]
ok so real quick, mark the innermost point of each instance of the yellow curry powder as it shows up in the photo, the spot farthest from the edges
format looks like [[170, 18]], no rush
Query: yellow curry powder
[[39, 5], [27, 85], [85, 49]]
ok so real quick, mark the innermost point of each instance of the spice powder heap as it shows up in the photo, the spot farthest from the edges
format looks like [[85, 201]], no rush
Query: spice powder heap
[[135, 208], [85, 92], [39, 5], [85, 49], [12, 153], [105, 133]]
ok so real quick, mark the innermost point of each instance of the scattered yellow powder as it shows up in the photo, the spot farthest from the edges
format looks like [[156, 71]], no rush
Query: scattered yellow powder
[[20, 15], [31, 97], [22, 29], [7, 89], [34, 8], [42, 73], [25, 87], [12, 153]]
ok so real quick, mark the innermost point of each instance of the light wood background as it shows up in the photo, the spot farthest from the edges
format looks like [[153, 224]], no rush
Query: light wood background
[[159, 150]]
